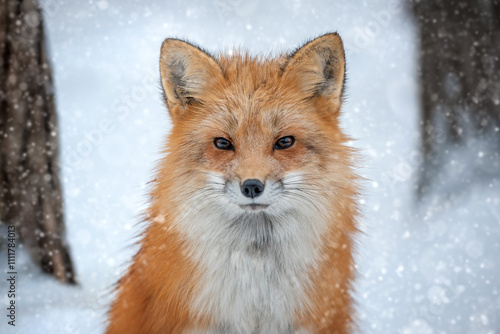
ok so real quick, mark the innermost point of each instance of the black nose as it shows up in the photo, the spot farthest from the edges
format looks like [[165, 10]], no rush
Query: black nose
[[252, 188]]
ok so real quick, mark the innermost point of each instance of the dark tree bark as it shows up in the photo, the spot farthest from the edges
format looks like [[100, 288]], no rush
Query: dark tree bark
[[30, 193], [459, 73]]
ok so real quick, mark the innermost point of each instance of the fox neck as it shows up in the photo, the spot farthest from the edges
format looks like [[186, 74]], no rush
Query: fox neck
[[256, 267]]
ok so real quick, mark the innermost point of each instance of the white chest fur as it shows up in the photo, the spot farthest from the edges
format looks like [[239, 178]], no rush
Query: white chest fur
[[256, 270]]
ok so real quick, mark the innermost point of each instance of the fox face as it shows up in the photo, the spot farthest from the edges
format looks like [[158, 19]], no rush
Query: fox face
[[268, 160], [257, 134]]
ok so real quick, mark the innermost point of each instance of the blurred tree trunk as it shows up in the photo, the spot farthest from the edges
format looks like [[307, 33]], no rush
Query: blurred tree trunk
[[460, 73], [30, 193]]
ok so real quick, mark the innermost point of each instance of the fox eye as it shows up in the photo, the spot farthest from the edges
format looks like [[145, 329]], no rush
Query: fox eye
[[223, 144], [284, 142]]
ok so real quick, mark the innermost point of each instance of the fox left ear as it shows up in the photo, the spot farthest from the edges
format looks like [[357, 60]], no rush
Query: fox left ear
[[187, 73], [318, 67]]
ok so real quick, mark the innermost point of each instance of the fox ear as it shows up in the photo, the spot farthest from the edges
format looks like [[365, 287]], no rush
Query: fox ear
[[186, 72], [318, 67]]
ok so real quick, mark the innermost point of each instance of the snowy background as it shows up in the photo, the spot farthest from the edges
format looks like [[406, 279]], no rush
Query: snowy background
[[432, 267]]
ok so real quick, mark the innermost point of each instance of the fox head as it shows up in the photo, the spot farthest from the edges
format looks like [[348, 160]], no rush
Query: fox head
[[254, 136]]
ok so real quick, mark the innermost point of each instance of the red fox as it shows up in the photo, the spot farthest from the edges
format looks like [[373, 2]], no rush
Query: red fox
[[253, 210]]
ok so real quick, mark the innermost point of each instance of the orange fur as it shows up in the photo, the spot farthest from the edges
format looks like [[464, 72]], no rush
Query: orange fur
[[252, 101]]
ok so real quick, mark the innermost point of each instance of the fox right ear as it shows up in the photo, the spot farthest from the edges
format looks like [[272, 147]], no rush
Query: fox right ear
[[319, 68], [187, 72]]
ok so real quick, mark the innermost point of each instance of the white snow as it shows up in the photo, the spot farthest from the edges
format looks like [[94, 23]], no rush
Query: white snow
[[429, 268]]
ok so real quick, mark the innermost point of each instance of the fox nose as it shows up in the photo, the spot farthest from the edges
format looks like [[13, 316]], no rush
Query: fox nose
[[252, 188]]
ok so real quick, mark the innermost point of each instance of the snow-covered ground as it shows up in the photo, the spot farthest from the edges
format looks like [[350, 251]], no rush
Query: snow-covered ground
[[433, 268]]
